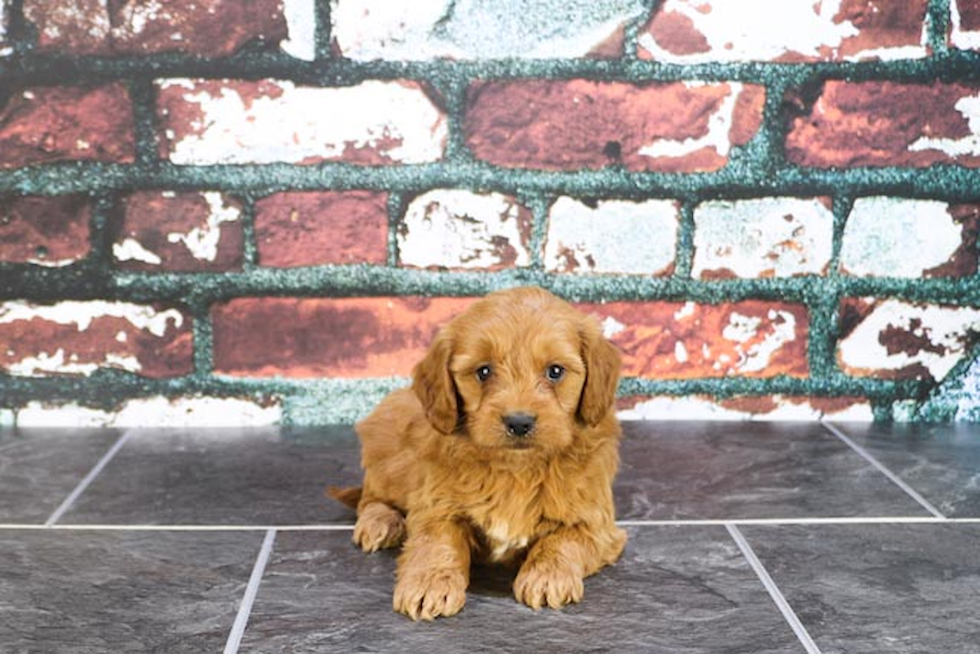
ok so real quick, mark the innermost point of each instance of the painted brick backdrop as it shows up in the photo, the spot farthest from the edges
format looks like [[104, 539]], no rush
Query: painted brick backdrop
[[228, 212]]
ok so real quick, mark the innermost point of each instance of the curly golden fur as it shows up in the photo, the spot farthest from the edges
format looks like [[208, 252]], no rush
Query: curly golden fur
[[503, 450]]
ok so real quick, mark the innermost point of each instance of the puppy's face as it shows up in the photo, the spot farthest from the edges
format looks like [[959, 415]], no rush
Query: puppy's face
[[519, 370]]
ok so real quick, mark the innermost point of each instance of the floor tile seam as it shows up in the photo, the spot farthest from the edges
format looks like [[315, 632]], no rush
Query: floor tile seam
[[16, 526], [88, 479], [785, 608], [885, 470], [803, 522], [237, 631], [639, 524]]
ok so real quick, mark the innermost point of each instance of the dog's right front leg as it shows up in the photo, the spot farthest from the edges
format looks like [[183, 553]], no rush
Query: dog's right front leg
[[433, 569]]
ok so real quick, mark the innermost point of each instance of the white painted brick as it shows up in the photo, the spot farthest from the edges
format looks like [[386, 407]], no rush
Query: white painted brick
[[763, 30], [897, 237], [767, 237], [706, 408], [301, 24], [296, 124], [366, 30], [616, 236], [155, 412], [461, 229], [897, 335]]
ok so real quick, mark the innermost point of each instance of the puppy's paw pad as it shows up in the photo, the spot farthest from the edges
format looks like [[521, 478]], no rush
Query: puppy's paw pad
[[379, 527], [431, 594], [548, 585]]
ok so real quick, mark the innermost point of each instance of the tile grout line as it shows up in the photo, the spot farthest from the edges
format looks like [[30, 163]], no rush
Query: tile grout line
[[777, 596], [706, 522], [843, 520], [895, 479], [251, 591], [183, 527], [88, 479]]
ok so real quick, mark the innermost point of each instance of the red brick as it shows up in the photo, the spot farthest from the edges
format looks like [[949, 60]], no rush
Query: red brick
[[48, 231], [887, 124], [78, 338], [677, 340], [42, 125], [696, 31], [201, 27], [185, 232], [379, 337], [882, 24], [78, 27], [321, 228], [318, 337], [969, 12], [575, 124], [675, 33]]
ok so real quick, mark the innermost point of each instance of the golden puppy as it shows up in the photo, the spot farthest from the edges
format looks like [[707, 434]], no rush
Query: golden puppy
[[503, 450]]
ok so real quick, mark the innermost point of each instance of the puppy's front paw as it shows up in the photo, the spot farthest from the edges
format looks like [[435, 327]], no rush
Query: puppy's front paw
[[547, 584], [378, 526], [430, 594]]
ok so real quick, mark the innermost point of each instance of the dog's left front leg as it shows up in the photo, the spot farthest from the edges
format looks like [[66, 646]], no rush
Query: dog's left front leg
[[556, 565], [433, 569]]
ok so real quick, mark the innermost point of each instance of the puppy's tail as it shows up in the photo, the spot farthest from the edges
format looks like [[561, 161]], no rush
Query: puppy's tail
[[349, 496]]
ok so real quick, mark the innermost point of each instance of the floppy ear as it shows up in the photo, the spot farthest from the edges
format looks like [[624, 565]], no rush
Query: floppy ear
[[433, 385], [602, 363]]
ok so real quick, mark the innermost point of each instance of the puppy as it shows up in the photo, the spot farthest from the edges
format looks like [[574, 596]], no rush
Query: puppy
[[503, 450]]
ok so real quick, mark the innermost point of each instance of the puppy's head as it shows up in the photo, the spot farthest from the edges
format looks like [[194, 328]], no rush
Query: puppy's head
[[521, 370]]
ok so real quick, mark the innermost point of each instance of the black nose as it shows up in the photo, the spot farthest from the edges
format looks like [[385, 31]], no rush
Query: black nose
[[519, 424]]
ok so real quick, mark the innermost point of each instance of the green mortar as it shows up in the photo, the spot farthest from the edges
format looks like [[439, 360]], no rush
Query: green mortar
[[337, 401], [756, 170]]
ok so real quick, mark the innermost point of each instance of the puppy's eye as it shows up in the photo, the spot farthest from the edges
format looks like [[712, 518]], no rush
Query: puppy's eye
[[483, 373], [555, 372]]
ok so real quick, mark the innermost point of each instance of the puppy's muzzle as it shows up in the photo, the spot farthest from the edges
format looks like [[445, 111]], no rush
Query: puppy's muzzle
[[519, 425]]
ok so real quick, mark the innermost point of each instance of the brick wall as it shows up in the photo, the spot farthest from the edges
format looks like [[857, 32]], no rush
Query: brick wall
[[215, 211]]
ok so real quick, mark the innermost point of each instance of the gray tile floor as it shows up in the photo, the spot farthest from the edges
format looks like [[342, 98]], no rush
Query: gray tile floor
[[744, 537]]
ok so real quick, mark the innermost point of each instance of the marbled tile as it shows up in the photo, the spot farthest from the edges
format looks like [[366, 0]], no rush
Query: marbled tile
[[88, 592], [223, 476], [901, 589], [39, 468], [705, 470], [941, 462], [676, 589]]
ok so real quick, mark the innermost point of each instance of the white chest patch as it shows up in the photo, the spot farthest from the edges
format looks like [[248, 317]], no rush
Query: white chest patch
[[502, 543]]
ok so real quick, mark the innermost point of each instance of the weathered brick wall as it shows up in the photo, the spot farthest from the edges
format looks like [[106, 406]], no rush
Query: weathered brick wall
[[258, 212]]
